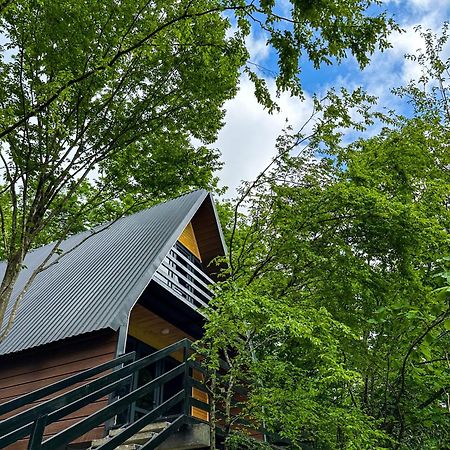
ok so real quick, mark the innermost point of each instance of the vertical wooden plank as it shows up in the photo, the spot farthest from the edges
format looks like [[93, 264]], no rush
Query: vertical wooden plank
[[199, 395]]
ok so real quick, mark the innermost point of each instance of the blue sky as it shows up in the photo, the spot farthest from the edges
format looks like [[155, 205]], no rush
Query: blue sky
[[247, 141]]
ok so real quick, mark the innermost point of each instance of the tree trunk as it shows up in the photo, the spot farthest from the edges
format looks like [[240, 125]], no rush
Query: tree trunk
[[6, 288]]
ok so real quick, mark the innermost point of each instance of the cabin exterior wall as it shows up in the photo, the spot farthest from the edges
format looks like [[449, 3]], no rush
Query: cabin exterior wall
[[27, 371]]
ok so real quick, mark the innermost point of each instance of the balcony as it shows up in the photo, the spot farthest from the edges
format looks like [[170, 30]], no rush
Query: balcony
[[181, 273]]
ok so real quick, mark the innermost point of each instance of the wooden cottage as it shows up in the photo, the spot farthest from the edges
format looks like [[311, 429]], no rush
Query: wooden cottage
[[135, 285]]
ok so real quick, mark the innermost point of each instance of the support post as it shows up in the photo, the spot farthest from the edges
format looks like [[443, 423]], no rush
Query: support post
[[37, 433], [186, 383]]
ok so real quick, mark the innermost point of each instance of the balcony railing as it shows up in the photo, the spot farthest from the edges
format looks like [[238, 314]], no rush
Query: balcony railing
[[182, 275]]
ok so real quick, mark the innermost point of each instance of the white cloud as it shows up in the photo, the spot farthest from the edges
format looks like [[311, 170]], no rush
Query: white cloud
[[427, 5], [257, 47], [247, 141], [418, 6], [391, 69]]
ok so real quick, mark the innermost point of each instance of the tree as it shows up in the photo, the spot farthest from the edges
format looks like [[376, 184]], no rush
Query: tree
[[100, 101], [336, 315]]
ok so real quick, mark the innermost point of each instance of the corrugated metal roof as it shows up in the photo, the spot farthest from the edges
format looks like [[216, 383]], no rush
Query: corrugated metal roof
[[94, 286]]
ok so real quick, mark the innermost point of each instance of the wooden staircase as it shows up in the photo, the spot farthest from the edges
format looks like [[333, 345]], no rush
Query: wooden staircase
[[189, 436], [39, 409]]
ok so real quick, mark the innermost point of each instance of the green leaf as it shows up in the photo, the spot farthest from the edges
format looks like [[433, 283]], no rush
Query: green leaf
[[447, 324]]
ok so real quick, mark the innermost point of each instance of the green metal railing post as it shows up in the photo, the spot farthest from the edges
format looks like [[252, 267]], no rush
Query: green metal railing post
[[37, 434], [186, 384]]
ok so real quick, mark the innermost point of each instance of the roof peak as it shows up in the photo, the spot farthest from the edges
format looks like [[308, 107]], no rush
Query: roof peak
[[100, 276]]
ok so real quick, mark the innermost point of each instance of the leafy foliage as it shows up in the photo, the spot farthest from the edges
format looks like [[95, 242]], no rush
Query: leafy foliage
[[336, 313]]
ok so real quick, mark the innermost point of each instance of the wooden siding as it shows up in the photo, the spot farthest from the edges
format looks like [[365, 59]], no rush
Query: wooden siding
[[188, 239], [208, 236], [26, 371], [199, 395], [147, 326]]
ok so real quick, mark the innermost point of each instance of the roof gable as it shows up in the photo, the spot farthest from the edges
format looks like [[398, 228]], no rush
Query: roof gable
[[209, 237], [95, 285]]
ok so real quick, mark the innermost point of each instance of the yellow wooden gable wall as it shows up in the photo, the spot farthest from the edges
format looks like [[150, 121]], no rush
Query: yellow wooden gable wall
[[187, 238]]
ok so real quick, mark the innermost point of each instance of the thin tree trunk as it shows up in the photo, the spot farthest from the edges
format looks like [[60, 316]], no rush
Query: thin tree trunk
[[212, 413], [7, 285]]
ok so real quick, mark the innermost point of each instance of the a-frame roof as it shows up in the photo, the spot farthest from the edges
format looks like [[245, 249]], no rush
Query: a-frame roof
[[95, 285]]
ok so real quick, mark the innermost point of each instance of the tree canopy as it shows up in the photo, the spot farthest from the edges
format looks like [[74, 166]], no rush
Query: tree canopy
[[101, 101], [336, 313]]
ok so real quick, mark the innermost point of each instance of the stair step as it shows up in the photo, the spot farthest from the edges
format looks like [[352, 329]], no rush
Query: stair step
[[151, 428], [140, 438], [128, 447], [120, 447], [156, 427], [134, 442], [193, 437]]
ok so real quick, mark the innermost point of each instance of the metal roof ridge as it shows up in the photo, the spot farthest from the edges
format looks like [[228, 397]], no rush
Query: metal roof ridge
[[112, 222]]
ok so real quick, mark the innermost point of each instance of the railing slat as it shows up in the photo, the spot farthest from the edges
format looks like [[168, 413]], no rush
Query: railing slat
[[196, 365], [188, 293], [162, 436], [194, 275], [196, 303], [195, 294], [202, 274], [54, 409], [61, 401], [74, 406], [199, 404], [202, 290], [57, 414], [198, 385], [135, 427], [37, 433], [19, 420], [15, 435]]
